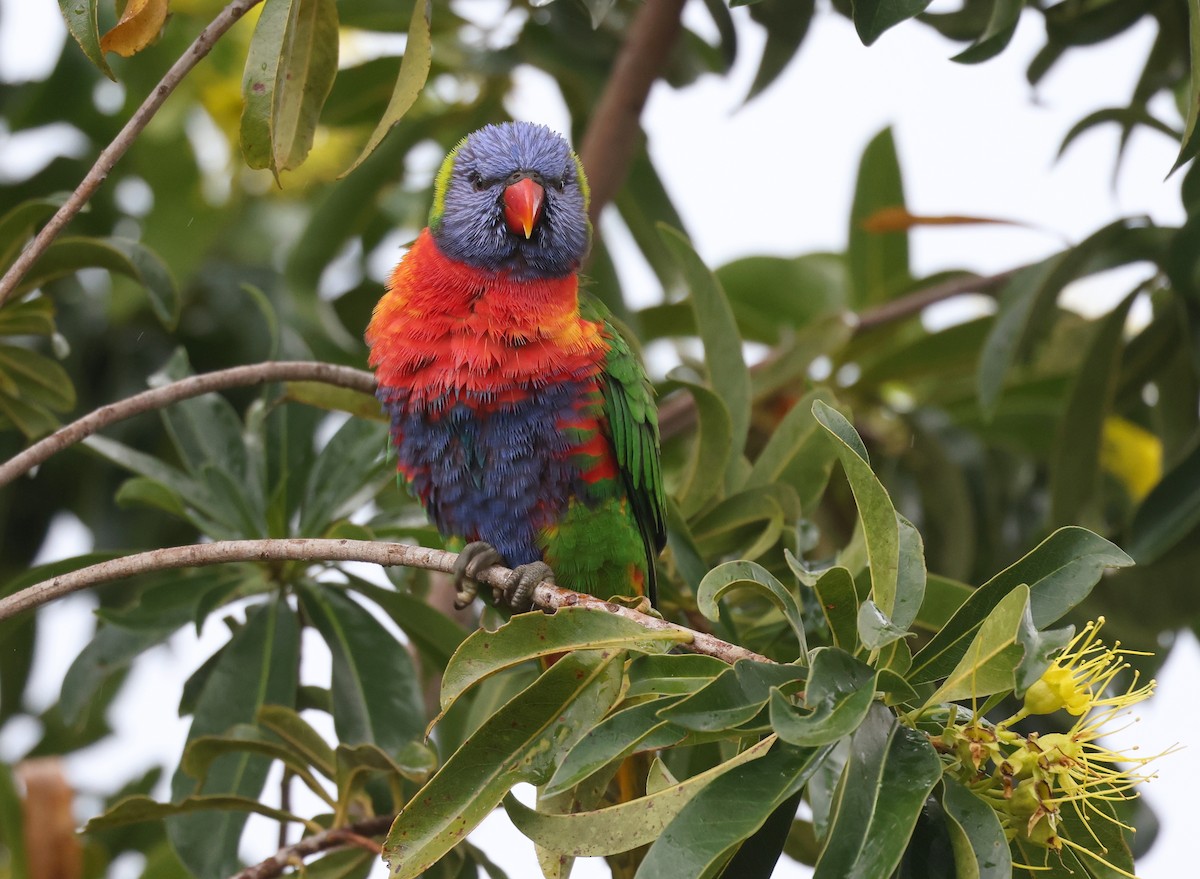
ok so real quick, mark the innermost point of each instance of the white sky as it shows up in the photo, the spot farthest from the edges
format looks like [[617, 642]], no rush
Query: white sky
[[777, 177]]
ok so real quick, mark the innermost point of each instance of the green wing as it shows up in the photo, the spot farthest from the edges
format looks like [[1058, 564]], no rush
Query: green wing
[[633, 428]]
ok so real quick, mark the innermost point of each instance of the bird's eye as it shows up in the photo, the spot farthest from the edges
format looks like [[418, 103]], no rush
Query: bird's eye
[[477, 181], [561, 183]]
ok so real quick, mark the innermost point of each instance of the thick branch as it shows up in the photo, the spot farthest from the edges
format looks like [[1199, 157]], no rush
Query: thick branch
[[193, 386], [614, 132], [546, 596], [124, 139], [357, 834]]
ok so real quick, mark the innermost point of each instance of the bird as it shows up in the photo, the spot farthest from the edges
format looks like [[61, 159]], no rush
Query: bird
[[520, 417]]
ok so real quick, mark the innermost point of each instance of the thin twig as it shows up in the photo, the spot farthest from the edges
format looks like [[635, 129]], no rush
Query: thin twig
[[546, 595], [357, 834], [193, 386], [613, 135], [112, 153]]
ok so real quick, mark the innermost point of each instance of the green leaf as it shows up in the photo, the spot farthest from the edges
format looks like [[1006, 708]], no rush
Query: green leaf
[[734, 697], [727, 371], [721, 579], [980, 848], [999, 31], [16, 227], [838, 694], [671, 674], [988, 666], [839, 602], [430, 630], [1075, 466], [748, 523], [533, 635], [1169, 512], [36, 379], [200, 754], [710, 453], [520, 742], [358, 764], [793, 435], [890, 772], [134, 810], [12, 826], [878, 261], [414, 70], [375, 702], [873, 17], [258, 667], [728, 810], [111, 651], [80, 16], [333, 399], [349, 463], [898, 598], [1060, 572], [624, 826], [786, 23], [1191, 134], [302, 738]]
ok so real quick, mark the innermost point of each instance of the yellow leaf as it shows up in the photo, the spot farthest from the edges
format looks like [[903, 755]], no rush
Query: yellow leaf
[[898, 219], [1132, 454], [139, 26]]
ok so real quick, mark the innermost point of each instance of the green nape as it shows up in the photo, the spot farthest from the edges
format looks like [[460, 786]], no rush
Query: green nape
[[598, 549]]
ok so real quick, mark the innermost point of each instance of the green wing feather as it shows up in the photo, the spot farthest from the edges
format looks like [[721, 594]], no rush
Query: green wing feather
[[633, 427]]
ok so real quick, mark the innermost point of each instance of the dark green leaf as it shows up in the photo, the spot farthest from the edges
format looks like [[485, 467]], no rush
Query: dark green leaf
[[433, 633], [352, 460], [1000, 29], [786, 23], [12, 826], [743, 574], [134, 810], [16, 226], [839, 602], [838, 694], [1169, 512], [671, 674], [81, 21], [873, 17], [980, 849], [710, 450], [878, 261], [732, 698], [1191, 133], [301, 738]]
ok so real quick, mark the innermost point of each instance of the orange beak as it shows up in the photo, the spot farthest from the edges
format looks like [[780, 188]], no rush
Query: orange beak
[[523, 206]]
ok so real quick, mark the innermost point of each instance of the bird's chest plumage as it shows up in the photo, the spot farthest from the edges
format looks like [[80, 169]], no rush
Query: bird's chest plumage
[[493, 389]]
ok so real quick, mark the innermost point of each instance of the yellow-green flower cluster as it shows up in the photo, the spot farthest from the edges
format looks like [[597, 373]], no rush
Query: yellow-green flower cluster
[[1030, 779]]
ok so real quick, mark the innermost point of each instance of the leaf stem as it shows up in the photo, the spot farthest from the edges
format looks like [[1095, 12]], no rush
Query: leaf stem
[[112, 153], [546, 596], [192, 386]]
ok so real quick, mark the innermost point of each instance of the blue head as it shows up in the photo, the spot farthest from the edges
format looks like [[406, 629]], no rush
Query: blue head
[[512, 197]]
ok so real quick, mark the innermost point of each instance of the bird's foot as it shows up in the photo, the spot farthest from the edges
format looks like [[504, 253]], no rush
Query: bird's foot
[[518, 591], [472, 560]]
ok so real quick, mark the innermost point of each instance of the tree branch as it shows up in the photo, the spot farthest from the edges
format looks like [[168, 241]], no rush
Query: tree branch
[[193, 386], [112, 153], [357, 834], [613, 134], [546, 596]]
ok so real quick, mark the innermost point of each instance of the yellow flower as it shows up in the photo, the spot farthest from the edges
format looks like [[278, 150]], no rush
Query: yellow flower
[[1132, 454]]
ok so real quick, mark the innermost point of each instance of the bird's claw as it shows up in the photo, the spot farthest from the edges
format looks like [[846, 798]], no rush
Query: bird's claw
[[518, 591], [472, 561]]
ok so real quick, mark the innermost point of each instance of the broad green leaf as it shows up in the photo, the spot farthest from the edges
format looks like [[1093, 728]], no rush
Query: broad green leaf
[[786, 23], [728, 810], [134, 810], [727, 370], [351, 863], [520, 742], [1191, 133], [37, 379], [989, 664], [349, 463], [615, 737], [794, 433], [1000, 28], [878, 261], [890, 772], [625, 826], [838, 695], [747, 523], [710, 450], [533, 635], [980, 848], [334, 399], [1075, 467], [873, 17], [122, 256], [414, 70], [374, 702], [302, 738], [943, 597], [839, 603], [743, 574], [1169, 512], [258, 667], [1060, 572], [358, 764], [734, 697], [16, 227], [671, 674], [431, 631], [80, 16], [880, 525], [200, 754]]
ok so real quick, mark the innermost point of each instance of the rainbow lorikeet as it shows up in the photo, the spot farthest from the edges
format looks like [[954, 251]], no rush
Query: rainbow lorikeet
[[519, 416]]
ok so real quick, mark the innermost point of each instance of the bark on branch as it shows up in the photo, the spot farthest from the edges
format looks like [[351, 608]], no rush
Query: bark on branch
[[546, 596], [112, 153], [357, 834], [193, 386]]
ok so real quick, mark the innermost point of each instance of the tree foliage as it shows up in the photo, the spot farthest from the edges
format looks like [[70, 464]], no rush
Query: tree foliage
[[907, 548]]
